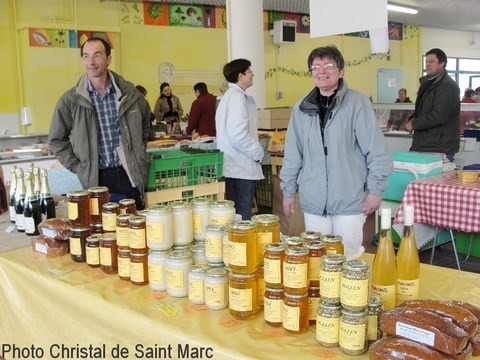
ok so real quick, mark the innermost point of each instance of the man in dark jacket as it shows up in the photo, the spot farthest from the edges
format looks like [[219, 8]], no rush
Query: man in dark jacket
[[202, 114], [435, 122]]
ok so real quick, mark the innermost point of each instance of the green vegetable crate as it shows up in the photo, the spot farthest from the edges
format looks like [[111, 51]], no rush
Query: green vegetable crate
[[172, 168]]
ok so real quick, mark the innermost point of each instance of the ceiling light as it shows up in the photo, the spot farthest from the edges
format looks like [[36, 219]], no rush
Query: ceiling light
[[402, 9]]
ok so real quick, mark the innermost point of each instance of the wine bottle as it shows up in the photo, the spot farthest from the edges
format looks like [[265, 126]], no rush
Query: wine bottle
[[4, 201], [384, 270], [13, 186], [36, 182], [408, 262], [31, 208], [47, 204], [19, 201]]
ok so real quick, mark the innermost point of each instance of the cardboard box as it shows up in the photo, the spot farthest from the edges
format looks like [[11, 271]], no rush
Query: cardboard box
[[274, 118]]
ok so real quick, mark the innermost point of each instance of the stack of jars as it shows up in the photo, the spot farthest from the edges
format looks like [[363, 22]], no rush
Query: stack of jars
[[79, 222]]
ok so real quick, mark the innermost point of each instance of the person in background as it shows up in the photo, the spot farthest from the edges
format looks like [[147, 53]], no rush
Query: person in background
[[168, 109], [201, 120], [468, 96], [144, 93], [468, 119], [100, 127], [336, 156], [477, 94], [398, 117], [435, 121], [236, 123]]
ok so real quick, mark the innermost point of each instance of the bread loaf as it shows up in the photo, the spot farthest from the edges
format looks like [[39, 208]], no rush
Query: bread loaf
[[55, 228], [424, 327], [475, 310], [458, 315], [395, 348], [48, 246]]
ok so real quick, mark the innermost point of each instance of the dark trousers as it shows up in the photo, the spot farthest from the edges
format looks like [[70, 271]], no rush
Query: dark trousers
[[241, 192], [119, 186]]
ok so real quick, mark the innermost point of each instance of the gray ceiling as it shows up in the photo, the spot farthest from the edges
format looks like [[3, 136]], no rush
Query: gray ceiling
[[461, 15]]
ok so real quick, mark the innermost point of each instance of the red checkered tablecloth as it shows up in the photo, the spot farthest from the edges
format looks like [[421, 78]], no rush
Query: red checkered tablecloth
[[444, 201]]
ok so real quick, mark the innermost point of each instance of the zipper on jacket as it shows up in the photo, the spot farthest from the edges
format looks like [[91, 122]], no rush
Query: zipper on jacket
[[325, 151]]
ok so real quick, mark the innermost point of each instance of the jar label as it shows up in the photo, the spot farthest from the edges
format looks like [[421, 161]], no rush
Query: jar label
[[124, 267], [195, 290], [272, 310], [241, 299], [75, 246], [314, 268], [175, 279], [354, 292], [137, 239], [155, 274], [238, 254], [295, 275], [215, 295], [93, 255], [106, 256], [155, 232], [94, 206], [329, 284], [197, 224], [136, 272], [109, 222], [291, 317], [122, 236], [327, 330], [272, 271], [72, 211], [386, 293], [407, 289], [220, 220], [213, 246], [372, 327], [313, 307], [352, 336]]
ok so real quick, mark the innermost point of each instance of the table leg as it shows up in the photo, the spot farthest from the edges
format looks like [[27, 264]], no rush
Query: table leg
[[434, 245]]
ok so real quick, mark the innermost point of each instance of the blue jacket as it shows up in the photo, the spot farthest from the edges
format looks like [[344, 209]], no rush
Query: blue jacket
[[334, 172]]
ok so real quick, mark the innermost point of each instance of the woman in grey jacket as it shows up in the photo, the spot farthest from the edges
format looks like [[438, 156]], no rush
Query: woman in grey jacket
[[335, 155]]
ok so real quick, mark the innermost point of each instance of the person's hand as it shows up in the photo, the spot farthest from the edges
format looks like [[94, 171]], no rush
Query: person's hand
[[195, 135], [409, 125], [288, 206], [371, 204]]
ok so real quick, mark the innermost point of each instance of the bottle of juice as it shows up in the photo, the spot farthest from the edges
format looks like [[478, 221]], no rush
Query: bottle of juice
[[384, 270], [408, 263]]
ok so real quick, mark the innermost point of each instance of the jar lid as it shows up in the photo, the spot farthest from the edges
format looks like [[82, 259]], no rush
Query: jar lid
[[296, 296], [159, 209], [217, 272], [79, 229], [199, 268], [180, 205], [159, 252], [278, 290], [243, 276], [201, 202], [98, 189], [179, 254], [332, 238], [311, 235], [124, 217], [78, 193], [223, 204], [243, 225], [216, 227], [216, 265], [293, 241], [197, 248], [126, 202], [94, 238], [296, 251], [355, 265], [265, 218], [314, 244], [329, 306], [110, 205], [137, 219], [275, 247], [110, 236], [333, 259], [124, 250], [354, 313]]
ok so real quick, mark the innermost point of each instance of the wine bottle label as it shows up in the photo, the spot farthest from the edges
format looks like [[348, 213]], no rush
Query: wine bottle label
[[386, 293], [407, 290]]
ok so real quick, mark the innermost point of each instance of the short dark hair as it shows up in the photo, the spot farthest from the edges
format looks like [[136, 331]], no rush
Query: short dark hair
[[469, 93], [201, 87], [234, 68], [440, 54], [163, 86], [327, 52], [142, 89], [108, 48]]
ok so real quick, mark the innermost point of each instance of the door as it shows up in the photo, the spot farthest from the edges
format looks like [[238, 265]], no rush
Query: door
[[389, 81]]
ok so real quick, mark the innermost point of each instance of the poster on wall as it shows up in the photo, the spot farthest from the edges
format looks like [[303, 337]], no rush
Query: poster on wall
[[155, 13], [57, 38], [185, 15], [82, 36]]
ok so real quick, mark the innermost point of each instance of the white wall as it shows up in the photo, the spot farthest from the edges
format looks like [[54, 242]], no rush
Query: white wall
[[454, 43]]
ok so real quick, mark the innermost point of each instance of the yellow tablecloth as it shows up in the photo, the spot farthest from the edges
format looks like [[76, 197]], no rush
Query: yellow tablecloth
[[50, 303]]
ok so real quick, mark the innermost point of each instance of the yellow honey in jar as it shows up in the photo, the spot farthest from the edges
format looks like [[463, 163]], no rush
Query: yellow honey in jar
[[295, 270], [268, 229], [242, 244], [243, 295]]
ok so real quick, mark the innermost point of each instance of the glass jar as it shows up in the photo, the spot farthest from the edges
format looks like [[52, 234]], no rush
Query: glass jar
[[92, 250], [268, 230], [137, 234], [295, 270], [156, 270], [159, 222], [311, 236], [313, 302], [316, 249], [243, 295], [139, 268], [110, 211], [333, 244], [127, 206], [198, 254], [177, 267], [330, 278], [182, 223], [123, 231], [214, 242], [221, 211], [108, 253], [328, 324], [353, 332], [242, 243], [201, 215], [273, 265], [96, 228], [354, 285], [261, 286], [295, 313], [226, 249], [294, 241], [98, 196], [79, 208], [196, 284], [77, 242], [123, 260], [272, 306], [216, 288], [375, 308]]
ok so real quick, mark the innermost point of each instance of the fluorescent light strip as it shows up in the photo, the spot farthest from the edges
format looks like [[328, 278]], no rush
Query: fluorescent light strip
[[402, 9]]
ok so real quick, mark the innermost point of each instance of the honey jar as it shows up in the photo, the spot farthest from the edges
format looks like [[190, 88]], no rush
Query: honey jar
[[316, 249], [294, 241], [295, 270], [127, 206], [272, 306], [123, 231], [243, 295], [196, 284], [92, 250], [139, 268], [98, 196], [137, 234], [333, 244], [108, 253], [79, 208], [242, 243], [311, 235], [156, 270], [177, 267], [214, 242], [216, 289], [273, 265], [123, 260], [159, 223], [295, 313], [221, 211], [313, 302], [78, 240], [268, 230], [110, 211]]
